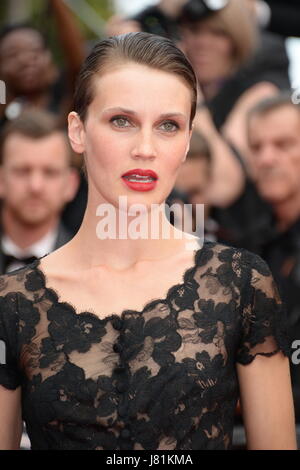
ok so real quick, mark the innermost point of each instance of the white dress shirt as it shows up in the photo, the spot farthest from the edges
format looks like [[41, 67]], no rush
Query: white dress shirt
[[40, 248]]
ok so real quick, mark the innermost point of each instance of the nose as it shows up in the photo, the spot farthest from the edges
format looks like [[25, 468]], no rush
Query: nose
[[200, 40], [203, 40], [28, 58], [266, 157], [144, 146], [36, 181]]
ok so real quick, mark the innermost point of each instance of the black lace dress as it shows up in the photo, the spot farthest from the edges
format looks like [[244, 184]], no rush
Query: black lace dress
[[161, 378]]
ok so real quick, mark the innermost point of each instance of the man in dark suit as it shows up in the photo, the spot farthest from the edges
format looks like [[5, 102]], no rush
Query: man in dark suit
[[36, 182]]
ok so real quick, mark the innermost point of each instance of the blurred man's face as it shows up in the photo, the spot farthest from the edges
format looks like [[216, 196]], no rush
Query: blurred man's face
[[36, 178], [274, 140], [193, 180], [24, 62]]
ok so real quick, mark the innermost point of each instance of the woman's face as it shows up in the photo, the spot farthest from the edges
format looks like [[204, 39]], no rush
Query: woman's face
[[210, 50], [25, 64], [138, 119]]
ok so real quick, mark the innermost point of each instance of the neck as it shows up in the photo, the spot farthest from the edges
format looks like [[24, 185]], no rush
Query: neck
[[90, 250], [38, 98], [287, 212], [22, 234]]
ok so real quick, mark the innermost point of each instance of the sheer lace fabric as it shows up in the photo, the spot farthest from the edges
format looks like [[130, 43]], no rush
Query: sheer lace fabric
[[161, 378]]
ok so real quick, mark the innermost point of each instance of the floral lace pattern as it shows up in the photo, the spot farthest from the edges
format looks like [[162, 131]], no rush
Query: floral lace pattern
[[161, 378]]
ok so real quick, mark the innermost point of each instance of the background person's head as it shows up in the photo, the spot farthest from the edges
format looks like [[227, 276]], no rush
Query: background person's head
[[25, 61], [274, 139], [154, 84], [171, 7], [195, 173], [36, 177], [217, 43]]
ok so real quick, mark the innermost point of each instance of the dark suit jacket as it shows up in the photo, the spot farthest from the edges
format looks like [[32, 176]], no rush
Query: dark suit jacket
[[285, 17], [63, 236]]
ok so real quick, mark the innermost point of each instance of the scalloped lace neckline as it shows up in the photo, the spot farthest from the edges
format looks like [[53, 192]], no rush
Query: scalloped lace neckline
[[35, 265]]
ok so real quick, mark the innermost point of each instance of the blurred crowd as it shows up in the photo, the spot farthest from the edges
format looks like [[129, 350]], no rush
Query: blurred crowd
[[244, 158]]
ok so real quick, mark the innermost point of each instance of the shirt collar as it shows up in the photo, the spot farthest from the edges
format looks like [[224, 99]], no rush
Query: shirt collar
[[43, 246]]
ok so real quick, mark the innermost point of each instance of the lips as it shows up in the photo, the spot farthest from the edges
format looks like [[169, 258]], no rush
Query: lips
[[140, 180], [141, 174]]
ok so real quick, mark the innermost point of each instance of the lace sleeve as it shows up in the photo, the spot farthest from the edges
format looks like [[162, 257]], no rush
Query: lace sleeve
[[264, 326], [10, 376]]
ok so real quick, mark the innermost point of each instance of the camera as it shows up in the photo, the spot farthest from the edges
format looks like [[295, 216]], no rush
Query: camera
[[195, 9]]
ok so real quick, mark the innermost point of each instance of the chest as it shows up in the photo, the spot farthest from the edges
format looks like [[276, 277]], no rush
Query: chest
[[105, 293]]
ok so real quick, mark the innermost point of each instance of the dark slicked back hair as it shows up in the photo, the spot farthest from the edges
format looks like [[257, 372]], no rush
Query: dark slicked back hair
[[142, 48]]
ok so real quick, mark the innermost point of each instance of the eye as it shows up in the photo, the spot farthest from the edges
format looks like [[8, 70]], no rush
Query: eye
[[255, 147], [171, 126], [120, 120], [51, 172], [285, 144], [219, 32], [21, 171]]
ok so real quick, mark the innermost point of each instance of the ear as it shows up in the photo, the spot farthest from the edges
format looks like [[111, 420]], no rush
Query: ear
[[76, 132], [72, 184]]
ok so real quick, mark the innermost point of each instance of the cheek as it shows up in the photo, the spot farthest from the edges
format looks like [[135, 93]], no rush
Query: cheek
[[9, 70], [227, 49], [101, 150], [292, 171], [223, 50], [295, 160], [12, 181], [43, 65], [289, 167], [191, 44], [175, 155], [14, 191]]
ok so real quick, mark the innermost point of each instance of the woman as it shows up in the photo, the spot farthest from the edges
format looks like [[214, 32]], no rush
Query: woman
[[163, 374]]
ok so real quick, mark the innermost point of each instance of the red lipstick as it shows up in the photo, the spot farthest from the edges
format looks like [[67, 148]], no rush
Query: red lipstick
[[140, 180]]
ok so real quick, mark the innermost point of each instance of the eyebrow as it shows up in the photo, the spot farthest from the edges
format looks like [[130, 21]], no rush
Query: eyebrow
[[133, 113]]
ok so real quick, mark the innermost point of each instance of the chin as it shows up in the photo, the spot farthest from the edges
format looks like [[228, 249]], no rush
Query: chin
[[145, 201], [29, 219], [273, 198]]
